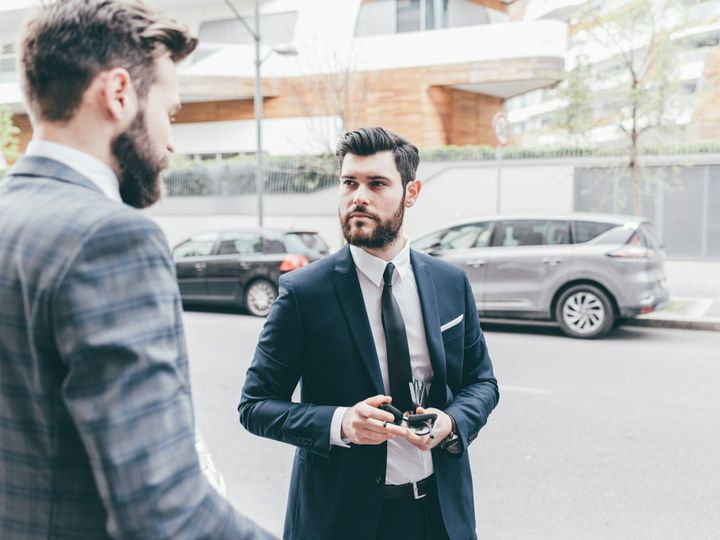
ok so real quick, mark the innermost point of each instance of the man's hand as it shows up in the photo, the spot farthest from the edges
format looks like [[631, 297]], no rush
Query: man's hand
[[364, 423], [441, 429]]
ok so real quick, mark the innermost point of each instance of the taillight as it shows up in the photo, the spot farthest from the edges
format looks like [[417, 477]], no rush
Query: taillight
[[633, 249], [291, 262]]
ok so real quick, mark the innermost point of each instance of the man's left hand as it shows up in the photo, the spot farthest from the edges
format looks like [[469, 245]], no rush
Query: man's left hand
[[441, 429]]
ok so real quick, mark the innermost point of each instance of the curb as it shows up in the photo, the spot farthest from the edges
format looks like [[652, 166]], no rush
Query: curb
[[690, 324]]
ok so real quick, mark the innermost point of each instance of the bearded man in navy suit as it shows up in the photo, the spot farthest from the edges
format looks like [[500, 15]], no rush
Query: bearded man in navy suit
[[362, 328]]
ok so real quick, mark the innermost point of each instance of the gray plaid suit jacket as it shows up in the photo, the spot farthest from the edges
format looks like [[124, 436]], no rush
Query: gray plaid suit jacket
[[96, 419]]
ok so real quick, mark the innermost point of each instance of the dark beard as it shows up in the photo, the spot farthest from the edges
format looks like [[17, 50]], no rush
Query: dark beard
[[139, 170], [385, 232]]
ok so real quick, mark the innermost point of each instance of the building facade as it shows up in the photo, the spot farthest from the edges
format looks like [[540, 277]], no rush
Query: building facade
[[434, 70], [693, 113]]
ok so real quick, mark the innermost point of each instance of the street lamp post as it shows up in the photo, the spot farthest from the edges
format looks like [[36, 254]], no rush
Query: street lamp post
[[258, 98]]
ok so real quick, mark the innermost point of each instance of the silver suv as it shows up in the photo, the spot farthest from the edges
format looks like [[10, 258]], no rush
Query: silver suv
[[585, 271]]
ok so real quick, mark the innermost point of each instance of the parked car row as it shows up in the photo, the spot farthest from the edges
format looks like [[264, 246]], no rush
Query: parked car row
[[587, 272]]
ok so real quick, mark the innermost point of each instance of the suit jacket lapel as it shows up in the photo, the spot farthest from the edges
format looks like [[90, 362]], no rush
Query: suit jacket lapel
[[350, 296], [431, 320]]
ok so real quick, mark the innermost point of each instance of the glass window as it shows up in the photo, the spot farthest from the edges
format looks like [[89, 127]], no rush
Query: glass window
[[436, 14], [241, 244], [523, 233], [467, 236], [584, 231], [376, 18], [557, 233], [408, 15], [198, 246], [466, 13]]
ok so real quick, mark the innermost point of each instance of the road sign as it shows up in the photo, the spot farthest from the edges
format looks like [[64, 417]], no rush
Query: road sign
[[501, 127]]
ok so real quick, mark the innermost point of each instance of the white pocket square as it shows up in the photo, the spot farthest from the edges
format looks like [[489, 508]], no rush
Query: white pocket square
[[452, 323]]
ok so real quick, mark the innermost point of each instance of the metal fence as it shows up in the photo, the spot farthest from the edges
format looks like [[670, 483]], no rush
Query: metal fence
[[683, 203], [237, 177]]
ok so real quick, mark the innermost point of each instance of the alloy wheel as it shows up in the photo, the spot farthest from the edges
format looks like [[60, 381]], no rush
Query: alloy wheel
[[583, 312], [259, 297]]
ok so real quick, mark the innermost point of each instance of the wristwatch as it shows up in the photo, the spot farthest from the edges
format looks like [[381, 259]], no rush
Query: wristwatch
[[452, 443]]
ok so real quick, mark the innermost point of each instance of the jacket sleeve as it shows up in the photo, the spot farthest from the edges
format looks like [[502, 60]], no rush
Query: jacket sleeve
[[116, 315], [479, 393], [265, 406]]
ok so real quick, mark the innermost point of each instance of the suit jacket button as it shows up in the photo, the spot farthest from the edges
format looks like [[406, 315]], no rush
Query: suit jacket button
[[379, 480]]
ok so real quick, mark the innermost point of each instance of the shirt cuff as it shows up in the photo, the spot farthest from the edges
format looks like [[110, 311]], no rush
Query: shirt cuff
[[335, 428]]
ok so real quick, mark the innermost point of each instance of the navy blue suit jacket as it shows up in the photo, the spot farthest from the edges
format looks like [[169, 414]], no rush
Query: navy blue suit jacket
[[318, 332]]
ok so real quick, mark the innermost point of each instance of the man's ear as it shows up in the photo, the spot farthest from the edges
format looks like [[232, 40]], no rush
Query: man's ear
[[118, 95], [412, 191]]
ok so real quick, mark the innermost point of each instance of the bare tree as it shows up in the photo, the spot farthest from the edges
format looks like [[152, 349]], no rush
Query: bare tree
[[640, 93], [331, 93]]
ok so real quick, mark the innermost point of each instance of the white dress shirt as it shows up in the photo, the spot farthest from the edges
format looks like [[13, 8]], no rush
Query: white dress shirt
[[89, 166], [405, 462]]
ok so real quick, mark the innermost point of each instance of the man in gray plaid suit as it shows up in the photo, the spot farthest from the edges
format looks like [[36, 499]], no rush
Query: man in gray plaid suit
[[96, 419]]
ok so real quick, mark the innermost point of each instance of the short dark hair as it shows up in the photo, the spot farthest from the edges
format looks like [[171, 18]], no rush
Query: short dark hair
[[66, 45], [371, 140]]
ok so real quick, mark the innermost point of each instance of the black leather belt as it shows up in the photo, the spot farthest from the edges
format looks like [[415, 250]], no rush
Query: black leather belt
[[414, 490]]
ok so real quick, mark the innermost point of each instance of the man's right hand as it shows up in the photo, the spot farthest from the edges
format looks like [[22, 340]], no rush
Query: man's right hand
[[364, 423]]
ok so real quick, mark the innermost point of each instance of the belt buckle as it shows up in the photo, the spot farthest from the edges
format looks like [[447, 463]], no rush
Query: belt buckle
[[416, 493]]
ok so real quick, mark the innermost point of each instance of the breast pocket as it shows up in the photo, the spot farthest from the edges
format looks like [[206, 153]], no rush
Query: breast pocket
[[453, 333]]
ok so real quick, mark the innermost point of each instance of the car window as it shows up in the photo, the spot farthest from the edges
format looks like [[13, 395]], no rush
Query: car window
[[199, 246], [584, 231], [557, 232], [305, 243], [523, 233], [429, 241], [241, 244], [466, 236], [273, 245]]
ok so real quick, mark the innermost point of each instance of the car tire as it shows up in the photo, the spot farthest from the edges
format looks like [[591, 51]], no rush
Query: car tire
[[259, 297], [584, 311]]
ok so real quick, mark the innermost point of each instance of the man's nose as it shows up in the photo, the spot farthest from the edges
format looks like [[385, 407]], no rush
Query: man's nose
[[360, 197]]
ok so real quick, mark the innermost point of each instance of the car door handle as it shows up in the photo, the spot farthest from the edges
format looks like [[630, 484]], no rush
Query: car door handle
[[244, 265], [200, 266], [476, 263], [552, 261]]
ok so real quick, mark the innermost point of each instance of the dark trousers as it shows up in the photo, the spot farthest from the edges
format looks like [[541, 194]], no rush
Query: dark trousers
[[412, 519]]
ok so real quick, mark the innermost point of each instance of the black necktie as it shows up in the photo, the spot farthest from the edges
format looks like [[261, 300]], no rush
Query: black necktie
[[398, 355]]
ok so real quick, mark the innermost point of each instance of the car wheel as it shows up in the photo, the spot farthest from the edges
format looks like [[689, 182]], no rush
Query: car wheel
[[584, 311], [259, 296]]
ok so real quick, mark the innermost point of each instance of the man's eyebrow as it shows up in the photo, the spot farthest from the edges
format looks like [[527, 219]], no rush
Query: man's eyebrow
[[347, 176]]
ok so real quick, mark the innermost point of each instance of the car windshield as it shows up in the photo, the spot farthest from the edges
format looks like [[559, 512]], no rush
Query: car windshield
[[305, 243]]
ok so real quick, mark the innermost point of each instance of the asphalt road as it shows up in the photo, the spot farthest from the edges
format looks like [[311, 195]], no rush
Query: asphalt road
[[618, 438]]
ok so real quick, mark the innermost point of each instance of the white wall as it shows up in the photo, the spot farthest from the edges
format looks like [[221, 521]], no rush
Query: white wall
[[453, 192]]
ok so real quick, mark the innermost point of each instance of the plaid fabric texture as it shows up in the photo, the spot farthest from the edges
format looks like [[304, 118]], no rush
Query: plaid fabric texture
[[96, 418]]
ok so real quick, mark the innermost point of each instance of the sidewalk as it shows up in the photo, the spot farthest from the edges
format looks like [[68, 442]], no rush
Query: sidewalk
[[694, 298]]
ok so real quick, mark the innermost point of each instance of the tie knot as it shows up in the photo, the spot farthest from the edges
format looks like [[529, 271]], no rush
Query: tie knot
[[388, 274]]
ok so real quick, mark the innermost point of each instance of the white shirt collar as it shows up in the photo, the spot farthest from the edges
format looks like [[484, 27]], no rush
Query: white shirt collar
[[374, 267], [89, 166]]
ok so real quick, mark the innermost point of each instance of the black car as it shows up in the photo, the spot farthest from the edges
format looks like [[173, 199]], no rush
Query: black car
[[242, 267]]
